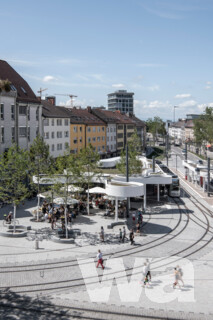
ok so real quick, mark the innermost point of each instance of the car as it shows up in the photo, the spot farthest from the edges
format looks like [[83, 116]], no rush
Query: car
[[200, 162], [183, 151], [162, 144]]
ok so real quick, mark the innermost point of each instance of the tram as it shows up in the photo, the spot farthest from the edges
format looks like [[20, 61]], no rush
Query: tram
[[174, 187]]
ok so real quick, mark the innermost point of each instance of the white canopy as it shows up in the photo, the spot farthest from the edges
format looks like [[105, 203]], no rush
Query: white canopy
[[62, 201], [97, 190], [72, 188]]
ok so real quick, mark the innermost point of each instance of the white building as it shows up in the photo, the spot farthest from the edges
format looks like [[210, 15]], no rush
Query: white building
[[20, 111], [56, 128]]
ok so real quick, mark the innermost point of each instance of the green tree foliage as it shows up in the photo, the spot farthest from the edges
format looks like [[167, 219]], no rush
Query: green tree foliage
[[134, 149], [88, 167], [5, 85], [203, 128], [13, 173], [156, 126]]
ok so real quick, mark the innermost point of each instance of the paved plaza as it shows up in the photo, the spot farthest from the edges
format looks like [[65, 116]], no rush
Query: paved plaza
[[57, 274]]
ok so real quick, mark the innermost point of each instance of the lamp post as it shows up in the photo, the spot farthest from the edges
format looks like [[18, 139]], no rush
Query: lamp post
[[174, 113]]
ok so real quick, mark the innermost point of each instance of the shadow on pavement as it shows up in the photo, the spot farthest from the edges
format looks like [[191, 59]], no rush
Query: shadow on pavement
[[22, 307]]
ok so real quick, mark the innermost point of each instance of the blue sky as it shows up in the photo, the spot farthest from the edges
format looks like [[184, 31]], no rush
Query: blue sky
[[162, 50]]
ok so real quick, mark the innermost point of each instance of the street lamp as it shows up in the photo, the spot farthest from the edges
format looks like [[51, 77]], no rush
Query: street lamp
[[174, 113]]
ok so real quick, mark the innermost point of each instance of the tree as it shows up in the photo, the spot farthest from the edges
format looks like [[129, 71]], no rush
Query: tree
[[155, 126], [88, 167], [203, 128], [134, 150], [40, 162], [5, 85], [13, 172], [68, 172]]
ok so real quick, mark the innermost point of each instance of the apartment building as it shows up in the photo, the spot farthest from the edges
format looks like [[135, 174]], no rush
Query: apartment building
[[121, 100], [140, 129], [20, 111], [56, 128], [85, 129]]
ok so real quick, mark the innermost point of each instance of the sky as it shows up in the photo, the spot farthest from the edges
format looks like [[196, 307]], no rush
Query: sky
[[162, 50]]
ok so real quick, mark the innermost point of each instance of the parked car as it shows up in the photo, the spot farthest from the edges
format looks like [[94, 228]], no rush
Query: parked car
[[183, 151], [200, 162]]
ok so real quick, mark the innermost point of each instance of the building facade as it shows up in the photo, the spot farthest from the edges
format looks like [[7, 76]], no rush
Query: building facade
[[121, 100], [20, 119], [56, 128]]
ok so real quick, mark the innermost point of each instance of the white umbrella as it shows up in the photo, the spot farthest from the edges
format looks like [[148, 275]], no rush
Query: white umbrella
[[62, 201], [97, 190], [113, 198], [73, 189]]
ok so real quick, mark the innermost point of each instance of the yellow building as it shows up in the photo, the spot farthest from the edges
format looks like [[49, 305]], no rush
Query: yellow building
[[85, 129]]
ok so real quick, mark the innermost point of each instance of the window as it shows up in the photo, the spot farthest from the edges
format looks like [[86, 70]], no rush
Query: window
[[13, 134], [99, 148], [120, 127], [2, 111], [28, 113], [25, 92], [107, 129], [53, 147], [89, 139], [12, 112], [37, 131], [59, 122], [98, 139], [59, 146], [120, 135], [75, 129], [53, 122], [46, 122], [23, 110], [2, 135], [88, 129], [66, 145], [53, 135], [94, 129], [13, 88], [99, 129], [66, 122], [103, 129], [103, 138], [80, 139], [28, 133], [37, 114], [107, 139], [46, 135], [66, 134], [75, 140], [94, 139], [103, 147], [22, 131], [111, 129], [114, 129], [59, 134], [80, 129], [111, 138]]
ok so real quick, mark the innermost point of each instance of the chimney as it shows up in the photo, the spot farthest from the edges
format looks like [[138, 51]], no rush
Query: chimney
[[89, 109], [51, 100]]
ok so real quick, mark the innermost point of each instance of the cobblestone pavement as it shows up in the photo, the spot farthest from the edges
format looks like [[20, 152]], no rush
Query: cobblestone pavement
[[54, 272]]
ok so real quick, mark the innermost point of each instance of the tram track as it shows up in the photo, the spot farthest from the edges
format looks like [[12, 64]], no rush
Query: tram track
[[73, 283]]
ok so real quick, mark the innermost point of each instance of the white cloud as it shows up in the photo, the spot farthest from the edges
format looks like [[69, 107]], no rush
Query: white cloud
[[182, 96], [208, 87], [48, 78], [138, 86], [188, 103], [203, 106], [118, 85], [208, 83]]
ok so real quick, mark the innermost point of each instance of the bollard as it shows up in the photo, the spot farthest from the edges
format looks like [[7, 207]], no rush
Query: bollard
[[36, 244]]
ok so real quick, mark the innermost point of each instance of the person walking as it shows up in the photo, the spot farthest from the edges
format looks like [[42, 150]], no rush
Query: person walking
[[145, 277], [177, 278], [100, 259], [120, 235], [131, 237], [124, 234], [102, 234], [148, 270], [180, 273]]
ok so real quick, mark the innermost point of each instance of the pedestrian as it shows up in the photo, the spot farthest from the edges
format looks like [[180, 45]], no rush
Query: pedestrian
[[148, 270], [180, 273], [145, 271], [120, 235], [131, 237], [124, 234], [177, 278], [100, 259], [133, 217], [102, 234]]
